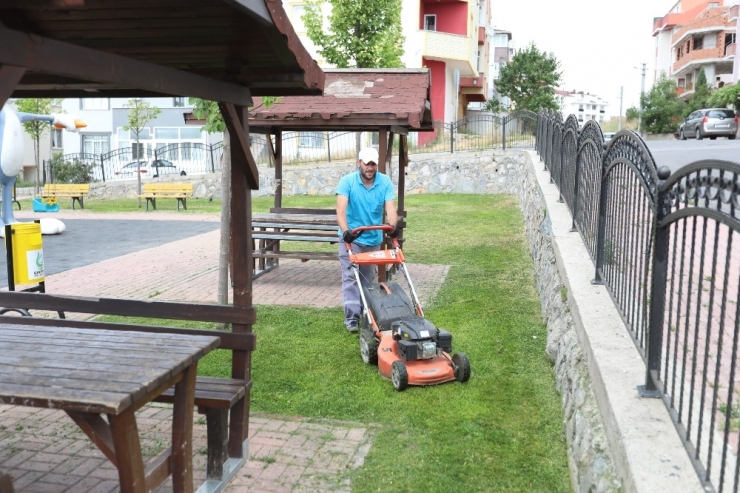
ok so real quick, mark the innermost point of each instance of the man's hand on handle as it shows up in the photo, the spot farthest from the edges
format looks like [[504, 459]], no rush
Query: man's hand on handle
[[394, 232], [348, 237]]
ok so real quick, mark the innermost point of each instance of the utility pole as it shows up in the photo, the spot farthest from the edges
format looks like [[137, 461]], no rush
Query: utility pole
[[621, 97], [642, 91]]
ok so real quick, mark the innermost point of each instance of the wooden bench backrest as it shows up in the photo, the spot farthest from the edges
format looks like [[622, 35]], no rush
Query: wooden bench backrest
[[186, 188], [67, 187], [301, 210]]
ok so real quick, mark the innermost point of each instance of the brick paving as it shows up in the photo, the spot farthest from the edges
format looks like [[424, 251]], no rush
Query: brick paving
[[45, 451]]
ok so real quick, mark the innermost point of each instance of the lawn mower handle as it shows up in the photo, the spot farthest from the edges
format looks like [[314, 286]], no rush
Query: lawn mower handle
[[382, 227]]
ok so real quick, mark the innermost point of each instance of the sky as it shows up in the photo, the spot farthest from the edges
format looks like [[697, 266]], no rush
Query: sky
[[601, 45]]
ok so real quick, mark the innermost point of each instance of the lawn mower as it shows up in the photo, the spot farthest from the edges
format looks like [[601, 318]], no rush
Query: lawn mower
[[408, 348]]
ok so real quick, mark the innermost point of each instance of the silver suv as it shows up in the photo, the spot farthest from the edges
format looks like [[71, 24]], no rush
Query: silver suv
[[712, 123]]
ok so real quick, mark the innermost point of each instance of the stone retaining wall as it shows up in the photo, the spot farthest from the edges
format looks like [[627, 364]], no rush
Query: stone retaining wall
[[487, 172]]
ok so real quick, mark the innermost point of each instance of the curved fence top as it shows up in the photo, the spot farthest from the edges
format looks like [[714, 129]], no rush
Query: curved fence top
[[572, 123], [628, 147], [704, 188], [591, 130], [520, 114]]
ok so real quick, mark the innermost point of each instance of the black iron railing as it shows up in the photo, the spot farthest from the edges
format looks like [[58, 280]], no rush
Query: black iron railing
[[667, 249], [516, 129]]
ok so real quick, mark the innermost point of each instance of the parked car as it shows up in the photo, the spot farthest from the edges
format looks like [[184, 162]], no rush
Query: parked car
[[712, 123], [608, 136], [150, 169]]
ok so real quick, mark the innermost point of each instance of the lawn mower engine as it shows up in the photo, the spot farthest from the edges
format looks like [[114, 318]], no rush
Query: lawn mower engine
[[393, 311]]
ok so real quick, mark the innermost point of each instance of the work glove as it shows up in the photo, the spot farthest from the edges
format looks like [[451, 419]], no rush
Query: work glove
[[348, 237], [394, 232]]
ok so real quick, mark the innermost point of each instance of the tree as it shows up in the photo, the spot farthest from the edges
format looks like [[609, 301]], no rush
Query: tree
[[662, 110], [361, 33], [37, 128], [210, 113], [725, 97], [632, 114], [493, 105], [529, 80], [139, 115], [214, 122], [702, 92]]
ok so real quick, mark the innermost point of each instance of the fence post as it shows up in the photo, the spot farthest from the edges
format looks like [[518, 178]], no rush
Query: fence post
[[658, 287], [328, 146], [503, 132], [452, 137], [560, 172], [102, 167], [601, 228], [213, 163]]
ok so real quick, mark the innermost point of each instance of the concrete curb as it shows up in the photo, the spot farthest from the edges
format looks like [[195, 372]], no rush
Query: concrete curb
[[648, 453]]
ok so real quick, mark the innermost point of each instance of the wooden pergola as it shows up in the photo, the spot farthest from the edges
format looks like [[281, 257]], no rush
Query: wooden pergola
[[220, 50], [388, 101]]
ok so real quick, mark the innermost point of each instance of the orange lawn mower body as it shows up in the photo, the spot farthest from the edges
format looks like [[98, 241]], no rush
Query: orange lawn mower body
[[395, 335]]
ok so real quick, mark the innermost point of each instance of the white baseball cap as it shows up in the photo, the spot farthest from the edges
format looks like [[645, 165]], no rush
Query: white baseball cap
[[367, 155]]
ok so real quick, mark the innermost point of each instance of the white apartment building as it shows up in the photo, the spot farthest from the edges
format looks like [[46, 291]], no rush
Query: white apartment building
[[105, 119], [584, 105]]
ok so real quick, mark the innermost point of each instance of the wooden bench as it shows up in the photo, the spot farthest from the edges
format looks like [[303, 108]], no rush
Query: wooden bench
[[291, 224], [75, 191], [218, 398], [178, 191]]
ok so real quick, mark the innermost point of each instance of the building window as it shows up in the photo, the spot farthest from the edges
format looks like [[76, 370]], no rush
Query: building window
[[298, 25], [580, 107], [699, 43], [95, 144], [430, 22], [178, 102], [94, 104], [311, 139], [56, 138], [137, 150]]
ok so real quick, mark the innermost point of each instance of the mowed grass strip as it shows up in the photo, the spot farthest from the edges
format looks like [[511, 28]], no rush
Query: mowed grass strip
[[500, 431]]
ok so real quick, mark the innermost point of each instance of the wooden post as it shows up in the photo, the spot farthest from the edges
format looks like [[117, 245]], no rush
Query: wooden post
[[244, 177], [278, 168], [382, 167]]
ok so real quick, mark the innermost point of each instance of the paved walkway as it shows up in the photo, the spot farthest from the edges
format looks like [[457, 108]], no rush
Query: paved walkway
[[46, 452]]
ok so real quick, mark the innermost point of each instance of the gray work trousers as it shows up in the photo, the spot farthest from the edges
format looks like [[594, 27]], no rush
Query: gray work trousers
[[350, 290]]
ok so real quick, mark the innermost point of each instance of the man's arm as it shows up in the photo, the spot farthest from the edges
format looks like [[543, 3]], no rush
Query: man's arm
[[391, 216], [342, 202]]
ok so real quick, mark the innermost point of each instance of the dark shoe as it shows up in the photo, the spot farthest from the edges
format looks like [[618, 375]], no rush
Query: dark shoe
[[353, 328]]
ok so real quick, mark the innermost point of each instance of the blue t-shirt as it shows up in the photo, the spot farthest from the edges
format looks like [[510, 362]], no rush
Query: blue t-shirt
[[366, 205]]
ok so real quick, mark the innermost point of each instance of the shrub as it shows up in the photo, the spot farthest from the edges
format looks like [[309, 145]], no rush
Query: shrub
[[71, 171]]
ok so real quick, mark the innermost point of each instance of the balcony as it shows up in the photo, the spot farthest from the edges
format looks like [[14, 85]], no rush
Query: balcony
[[474, 88], [455, 50], [730, 50], [695, 58]]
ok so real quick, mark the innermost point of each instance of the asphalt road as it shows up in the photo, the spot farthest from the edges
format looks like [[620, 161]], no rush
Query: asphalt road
[[87, 241], [677, 153]]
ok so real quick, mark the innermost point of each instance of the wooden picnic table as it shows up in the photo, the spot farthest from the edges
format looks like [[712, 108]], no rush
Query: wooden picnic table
[[91, 372], [309, 225]]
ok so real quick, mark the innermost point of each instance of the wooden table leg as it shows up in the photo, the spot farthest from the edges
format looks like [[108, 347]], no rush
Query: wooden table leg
[[182, 431], [128, 452]]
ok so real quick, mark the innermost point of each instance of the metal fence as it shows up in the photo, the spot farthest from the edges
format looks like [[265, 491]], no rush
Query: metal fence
[[665, 247], [480, 132]]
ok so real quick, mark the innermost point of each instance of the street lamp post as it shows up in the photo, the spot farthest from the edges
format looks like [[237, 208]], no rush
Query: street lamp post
[[642, 91]]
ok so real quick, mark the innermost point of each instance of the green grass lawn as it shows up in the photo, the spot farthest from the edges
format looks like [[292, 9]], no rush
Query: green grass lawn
[[500, 431]]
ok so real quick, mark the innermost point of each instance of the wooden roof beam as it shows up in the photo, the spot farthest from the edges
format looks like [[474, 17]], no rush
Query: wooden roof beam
[[47, 55]]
